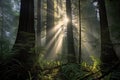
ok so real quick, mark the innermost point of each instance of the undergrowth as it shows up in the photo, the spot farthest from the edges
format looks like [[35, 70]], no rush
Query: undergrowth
[[51, 70]]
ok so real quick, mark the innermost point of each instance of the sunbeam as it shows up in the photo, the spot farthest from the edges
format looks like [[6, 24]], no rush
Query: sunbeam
[[59, 30]]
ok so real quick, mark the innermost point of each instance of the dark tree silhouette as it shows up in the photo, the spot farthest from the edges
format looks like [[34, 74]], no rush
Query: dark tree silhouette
[[108, 54], [26, 35], [70, 40]]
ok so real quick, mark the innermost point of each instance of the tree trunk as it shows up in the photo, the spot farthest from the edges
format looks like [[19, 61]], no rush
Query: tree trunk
[[26, 35], [70, 40], [26, 22], [39, 25], [108, 55], [49, 27], [79, 33]]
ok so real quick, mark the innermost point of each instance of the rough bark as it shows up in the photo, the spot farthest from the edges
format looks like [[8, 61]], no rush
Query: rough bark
[[26, 35]]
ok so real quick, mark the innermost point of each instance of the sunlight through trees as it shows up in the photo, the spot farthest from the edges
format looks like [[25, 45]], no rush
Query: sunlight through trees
[[59, 40]]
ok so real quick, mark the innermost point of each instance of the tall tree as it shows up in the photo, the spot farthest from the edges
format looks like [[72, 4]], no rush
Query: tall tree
[[39, 17], [70, 40], [24, 42], [108, 55], [26, 35], [49, 27]]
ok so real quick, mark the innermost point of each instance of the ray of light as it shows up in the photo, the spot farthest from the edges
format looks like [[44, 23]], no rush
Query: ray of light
[[59, 33], [57, 47], [54, 37], [57, 30]]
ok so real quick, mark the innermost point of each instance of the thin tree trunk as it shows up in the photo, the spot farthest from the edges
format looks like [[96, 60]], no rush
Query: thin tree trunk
[[39, 25], [79, 33], [70, 40]]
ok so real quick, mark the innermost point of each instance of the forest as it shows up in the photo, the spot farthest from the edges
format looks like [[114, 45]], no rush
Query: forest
[[59, 40]]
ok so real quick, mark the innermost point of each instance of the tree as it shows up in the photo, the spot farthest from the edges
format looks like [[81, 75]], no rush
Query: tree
[[70, 40], [23, 58], [39, 17], [26, 35], [108, 55], [79, 32], [49, 27]]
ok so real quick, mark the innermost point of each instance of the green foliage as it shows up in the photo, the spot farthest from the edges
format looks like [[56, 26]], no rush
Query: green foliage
[[44, 69], [71, 71], [40, 67], [85, 71], [95, 65], [48, 67]]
